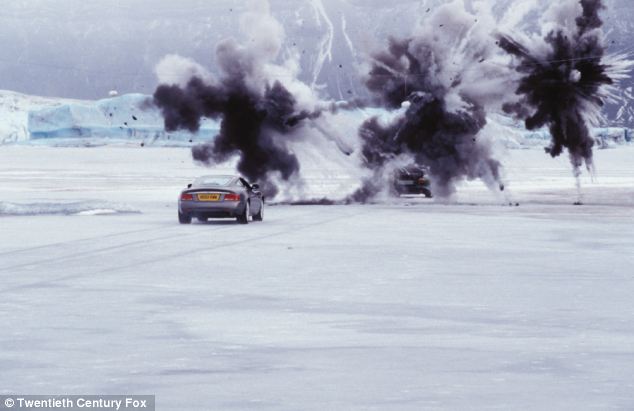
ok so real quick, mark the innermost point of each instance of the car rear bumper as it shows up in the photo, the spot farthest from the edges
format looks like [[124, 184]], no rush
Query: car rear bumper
[[220, 209], [412, 189]]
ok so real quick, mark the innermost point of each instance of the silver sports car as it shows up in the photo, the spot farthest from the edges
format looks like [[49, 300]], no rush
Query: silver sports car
[[221, 197]]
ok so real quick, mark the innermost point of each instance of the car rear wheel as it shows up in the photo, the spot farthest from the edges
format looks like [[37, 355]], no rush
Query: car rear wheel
[[427, 193], [244, 218], [184, 218], [260, 215]]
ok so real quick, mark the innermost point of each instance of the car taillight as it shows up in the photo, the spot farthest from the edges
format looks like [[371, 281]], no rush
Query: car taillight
[[422, 180], [187, 197], [232, 197]]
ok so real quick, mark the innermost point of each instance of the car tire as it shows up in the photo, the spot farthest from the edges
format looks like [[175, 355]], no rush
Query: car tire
[[184, 218], [260, 215], [244, 218], [427, 193]]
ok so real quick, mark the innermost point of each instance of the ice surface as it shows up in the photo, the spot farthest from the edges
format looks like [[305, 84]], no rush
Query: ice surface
[[404, 305], [67, 208]]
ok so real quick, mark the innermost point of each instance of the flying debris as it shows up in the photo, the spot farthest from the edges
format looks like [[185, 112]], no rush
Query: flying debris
[[565, 79], [430, 79]]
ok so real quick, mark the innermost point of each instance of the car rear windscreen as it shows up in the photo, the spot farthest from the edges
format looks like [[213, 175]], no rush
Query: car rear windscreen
[[213, 181]]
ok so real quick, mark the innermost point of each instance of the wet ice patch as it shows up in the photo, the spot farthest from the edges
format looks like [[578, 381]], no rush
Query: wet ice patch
[[84, 208]]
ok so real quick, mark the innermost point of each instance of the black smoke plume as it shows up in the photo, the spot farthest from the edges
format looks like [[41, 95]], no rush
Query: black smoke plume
[[258, 114], [443, 80], [433, 136], [250, 124], [563, 86]]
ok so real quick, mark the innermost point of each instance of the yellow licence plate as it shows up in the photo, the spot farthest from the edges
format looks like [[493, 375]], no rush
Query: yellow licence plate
[[208, 197]]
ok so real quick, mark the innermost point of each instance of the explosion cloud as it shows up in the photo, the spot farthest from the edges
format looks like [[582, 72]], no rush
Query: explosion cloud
[[565, 78], [437, 86], [254, 106], [445, 77]]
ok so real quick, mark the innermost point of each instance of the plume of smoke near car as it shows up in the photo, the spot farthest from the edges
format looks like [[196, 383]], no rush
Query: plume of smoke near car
[[565, 78], [442, 79], [260, 103]]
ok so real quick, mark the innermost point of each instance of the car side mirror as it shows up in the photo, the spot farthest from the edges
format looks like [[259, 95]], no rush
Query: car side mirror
[[255, 186], [189, 186]]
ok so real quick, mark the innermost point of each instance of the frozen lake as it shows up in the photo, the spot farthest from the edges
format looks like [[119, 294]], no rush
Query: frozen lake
[[404, 305]]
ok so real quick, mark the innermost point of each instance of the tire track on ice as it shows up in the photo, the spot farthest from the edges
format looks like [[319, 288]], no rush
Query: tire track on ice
[[179, 254], [75, 255], [78, 241], [72, 255]]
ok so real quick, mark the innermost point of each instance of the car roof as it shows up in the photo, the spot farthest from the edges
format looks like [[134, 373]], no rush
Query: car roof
[[414, 168]]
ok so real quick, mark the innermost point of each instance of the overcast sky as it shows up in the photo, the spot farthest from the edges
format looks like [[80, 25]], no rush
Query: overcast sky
[[84, 48]]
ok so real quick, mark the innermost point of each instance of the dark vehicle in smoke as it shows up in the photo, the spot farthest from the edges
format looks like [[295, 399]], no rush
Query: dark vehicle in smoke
[[412, 180], [221, 197]]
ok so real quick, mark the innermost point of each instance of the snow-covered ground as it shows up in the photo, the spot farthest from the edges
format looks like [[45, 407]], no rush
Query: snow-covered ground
[[405, 305]]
